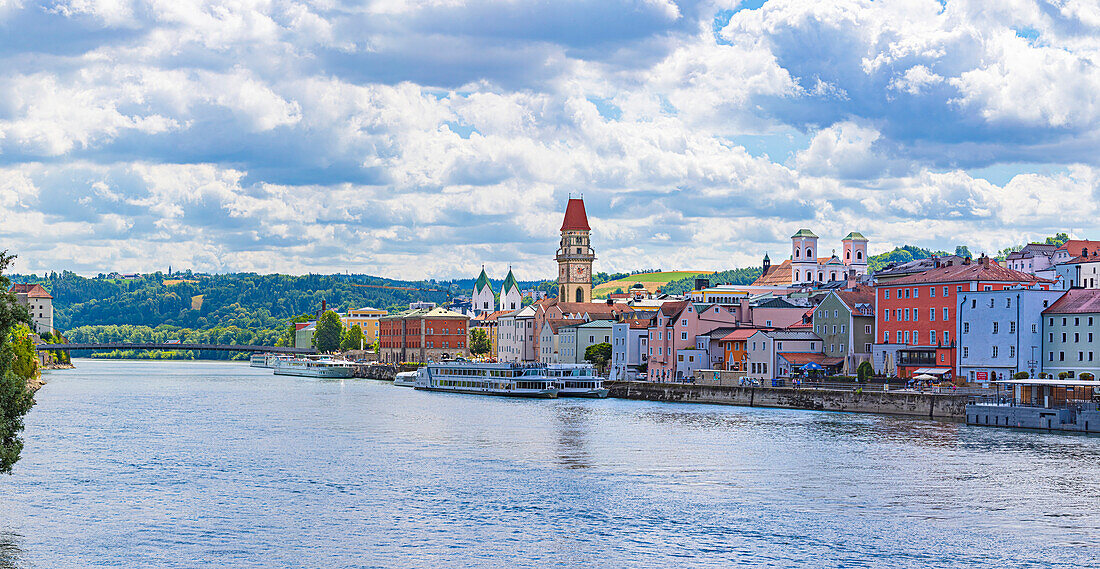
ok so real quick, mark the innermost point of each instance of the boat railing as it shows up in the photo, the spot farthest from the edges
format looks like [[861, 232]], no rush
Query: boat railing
[[1010, 401]]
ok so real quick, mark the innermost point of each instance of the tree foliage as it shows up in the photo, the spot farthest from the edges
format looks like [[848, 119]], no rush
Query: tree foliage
[[598, 354], [15, 398], [864, 372], [479, 342], [329, 332], [732, 276], [353, 339]]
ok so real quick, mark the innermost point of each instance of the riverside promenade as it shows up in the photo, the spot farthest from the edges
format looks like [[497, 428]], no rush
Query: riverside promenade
[[934, 405]]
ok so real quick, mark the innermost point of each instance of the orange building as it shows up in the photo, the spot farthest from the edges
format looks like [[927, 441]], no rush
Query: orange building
[[734, 352]]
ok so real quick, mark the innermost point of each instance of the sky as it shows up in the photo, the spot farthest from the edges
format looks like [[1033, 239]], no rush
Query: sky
[[426, 139]]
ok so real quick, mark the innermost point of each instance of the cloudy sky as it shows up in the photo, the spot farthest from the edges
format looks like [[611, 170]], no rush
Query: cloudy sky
[[424, 138]]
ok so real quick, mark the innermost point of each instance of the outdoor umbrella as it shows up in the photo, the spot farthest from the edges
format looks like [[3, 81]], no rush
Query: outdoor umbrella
[[925, 377], [812, 366]]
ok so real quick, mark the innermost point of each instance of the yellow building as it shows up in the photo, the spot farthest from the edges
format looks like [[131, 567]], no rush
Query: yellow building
[[365, 318]]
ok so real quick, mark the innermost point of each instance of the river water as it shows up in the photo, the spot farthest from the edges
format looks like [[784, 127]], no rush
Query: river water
[[202, 464]]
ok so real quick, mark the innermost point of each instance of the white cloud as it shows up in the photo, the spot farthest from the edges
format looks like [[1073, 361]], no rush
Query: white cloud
[[421, 139]]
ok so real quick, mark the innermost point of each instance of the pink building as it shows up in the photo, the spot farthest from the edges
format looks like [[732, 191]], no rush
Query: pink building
[[674, 329]]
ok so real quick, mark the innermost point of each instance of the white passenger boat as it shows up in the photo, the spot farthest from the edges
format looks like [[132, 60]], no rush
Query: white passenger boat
[[315, 366], [510, 380], [405, 379], [266, 360], [577, 380]]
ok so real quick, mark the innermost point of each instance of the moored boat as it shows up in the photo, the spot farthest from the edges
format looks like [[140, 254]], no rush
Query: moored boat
[[266, 360], [405, 379], [577, 380], [506, 379], [323, 367]]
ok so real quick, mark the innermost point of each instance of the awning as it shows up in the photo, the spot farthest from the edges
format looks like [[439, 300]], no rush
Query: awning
[[931, 370]]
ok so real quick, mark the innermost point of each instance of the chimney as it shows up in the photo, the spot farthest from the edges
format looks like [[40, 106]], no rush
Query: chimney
[[324, 305], [966, 260]]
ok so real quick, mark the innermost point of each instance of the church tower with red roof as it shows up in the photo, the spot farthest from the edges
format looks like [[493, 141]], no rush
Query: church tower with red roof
[[575, 255]]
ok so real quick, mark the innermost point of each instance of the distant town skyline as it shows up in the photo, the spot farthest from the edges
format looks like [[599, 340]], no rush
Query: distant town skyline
[[426, 140]]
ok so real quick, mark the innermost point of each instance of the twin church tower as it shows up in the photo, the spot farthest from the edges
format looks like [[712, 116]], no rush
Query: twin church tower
[[574, 256]]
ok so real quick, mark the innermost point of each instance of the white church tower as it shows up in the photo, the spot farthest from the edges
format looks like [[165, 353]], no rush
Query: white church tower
[[484, 300], [510, 296]]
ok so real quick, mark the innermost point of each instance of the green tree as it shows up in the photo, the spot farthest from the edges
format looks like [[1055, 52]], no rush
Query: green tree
[[598, 354], [326, 338], [1059, 239], [353, 339], [963, 251], [864, 372], [479, 342], [15, 398]]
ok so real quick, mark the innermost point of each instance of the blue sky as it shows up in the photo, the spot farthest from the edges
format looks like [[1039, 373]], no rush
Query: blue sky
[[424, 139]]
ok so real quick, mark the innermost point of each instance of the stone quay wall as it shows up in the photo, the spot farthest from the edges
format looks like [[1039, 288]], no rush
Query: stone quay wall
[[936, 405]]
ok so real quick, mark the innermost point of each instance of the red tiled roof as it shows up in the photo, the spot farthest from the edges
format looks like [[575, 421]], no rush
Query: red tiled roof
[[1092, 258], [976, 270], [31, 290], [1075, 246], [861, 295], [739, 334], [803, 358], [780, 275], [575, 217], [1076, 301]]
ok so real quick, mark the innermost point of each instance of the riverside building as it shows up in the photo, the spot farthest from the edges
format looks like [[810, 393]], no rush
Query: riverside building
[[1000, 332], [916, 319]]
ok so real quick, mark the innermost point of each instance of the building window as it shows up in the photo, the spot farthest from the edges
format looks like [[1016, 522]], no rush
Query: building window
[[1012, 351], [886, 315], [885, 337], [932, 313], [683, 335], [906, 293], [887, 293], [946, 337], [994, 351], [867, 329], [916, 293], [907, 313], [966, 327], [945, 313], [996, 326], [932, 291], [1011, 327], [906, 336], [966, 352], [932, 337]]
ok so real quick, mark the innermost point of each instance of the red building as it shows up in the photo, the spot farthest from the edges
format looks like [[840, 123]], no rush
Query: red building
[[422, 335], [915, 316]]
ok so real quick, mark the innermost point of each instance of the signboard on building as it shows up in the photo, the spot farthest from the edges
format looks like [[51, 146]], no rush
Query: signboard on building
[[983, 376]]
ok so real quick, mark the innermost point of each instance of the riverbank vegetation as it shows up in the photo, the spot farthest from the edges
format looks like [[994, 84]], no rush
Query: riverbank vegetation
[[18, 368]]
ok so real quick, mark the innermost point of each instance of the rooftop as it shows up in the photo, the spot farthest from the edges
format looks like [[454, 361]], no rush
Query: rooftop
[[803, 233], [31, 290], [984, 269], [1076, 301], [575, 217], [855, 236]]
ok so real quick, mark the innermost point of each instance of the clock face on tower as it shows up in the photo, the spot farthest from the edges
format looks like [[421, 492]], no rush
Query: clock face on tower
[[581, 273]]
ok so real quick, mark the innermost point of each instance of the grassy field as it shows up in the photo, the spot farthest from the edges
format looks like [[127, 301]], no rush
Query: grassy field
[[651, 281]]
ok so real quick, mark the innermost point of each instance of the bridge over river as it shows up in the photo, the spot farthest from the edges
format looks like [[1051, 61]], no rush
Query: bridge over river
[[175, 347]]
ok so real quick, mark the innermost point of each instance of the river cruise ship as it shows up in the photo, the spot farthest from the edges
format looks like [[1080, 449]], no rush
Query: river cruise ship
[[577, 380], [507, 379], [322, 367], [266, 360]]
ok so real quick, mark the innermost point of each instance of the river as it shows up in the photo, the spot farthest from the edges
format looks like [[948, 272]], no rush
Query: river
[[201, 464]]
